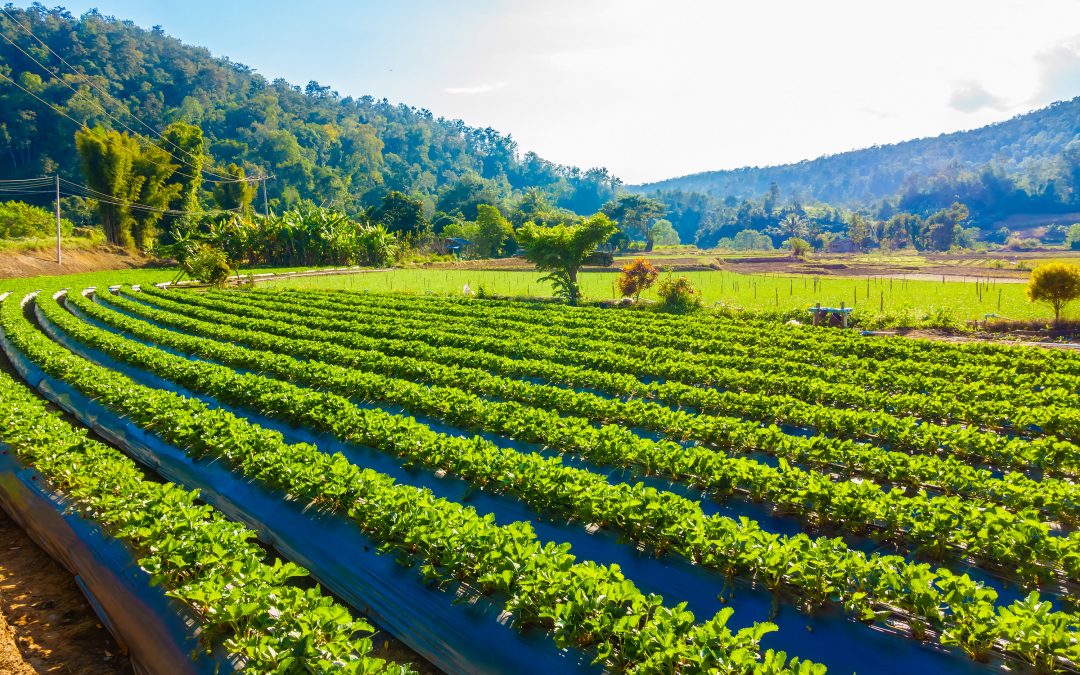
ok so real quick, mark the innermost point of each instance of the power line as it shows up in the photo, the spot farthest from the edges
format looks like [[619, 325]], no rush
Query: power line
[[104, 94], [24, 180], [83, 124], [73, 189], [82, 191], [136, 135]]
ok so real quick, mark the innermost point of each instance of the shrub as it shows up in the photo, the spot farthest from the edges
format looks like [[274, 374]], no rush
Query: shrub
[[18, 220], [209, 265], [637, 276], [1055, 284], [678, 295], [800, 248]]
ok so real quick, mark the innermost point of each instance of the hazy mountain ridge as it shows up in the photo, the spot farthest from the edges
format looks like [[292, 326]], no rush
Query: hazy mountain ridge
[[1019, 147]]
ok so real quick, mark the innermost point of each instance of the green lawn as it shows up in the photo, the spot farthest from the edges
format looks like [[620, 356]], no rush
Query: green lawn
[[128, 276], [966, 300]]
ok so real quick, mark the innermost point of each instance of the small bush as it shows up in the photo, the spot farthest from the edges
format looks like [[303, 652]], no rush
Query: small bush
[[209, 265], [800, 248], [1055, 284], [18, 220], [943, 318], [677, 294], [637, 276]]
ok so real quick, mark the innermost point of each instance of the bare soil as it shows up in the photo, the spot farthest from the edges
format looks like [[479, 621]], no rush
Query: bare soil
[[47, 626], [933, 267], [832, 267], [43, 261]]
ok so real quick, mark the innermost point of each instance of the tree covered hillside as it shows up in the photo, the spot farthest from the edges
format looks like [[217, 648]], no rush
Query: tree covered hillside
[[341, 151], [1030, 150]]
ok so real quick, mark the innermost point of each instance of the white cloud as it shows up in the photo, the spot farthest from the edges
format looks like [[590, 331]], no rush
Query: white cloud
[[655, 90], [475, 89], [970, 96], [1060, 72]]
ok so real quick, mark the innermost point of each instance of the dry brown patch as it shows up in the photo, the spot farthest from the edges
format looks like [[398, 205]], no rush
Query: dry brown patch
[[47, 626], [43, 261]]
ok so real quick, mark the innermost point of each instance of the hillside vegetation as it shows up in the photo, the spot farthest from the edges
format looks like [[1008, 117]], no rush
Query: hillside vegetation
[[320, 146]]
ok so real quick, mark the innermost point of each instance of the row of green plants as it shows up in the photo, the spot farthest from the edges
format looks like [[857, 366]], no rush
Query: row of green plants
[[582, 604], [475, 399], [241, 601], [705, 325], [669, 367], [965, 381], [937, 525], [961, 397], [965, 443], [951, 608]]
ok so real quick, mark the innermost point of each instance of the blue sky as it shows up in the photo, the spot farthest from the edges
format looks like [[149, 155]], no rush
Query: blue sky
[[659, 89]]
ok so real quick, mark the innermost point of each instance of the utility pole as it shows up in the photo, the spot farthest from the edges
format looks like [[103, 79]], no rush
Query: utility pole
[[266, 209], [58, 259]]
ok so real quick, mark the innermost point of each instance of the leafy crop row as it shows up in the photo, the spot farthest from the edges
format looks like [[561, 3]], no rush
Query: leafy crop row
[[820, 570], [699, 466], [725, 349], [1050, 454], [704, 326], [209, 564], [582, 604], [929, 406]]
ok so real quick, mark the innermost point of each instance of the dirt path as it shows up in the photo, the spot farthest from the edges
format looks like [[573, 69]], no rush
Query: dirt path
[[46, 624], [33, 263]]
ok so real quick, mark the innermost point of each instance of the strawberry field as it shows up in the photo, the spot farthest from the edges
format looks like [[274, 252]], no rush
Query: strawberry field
[[530, 487]]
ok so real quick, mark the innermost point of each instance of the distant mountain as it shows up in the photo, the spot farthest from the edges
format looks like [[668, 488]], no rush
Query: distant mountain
[[1024, 147]]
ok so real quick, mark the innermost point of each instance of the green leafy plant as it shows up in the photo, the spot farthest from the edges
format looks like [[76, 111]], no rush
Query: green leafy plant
[[677, 295]]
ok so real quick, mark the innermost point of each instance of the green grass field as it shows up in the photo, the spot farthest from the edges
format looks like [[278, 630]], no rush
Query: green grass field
[[966, 300]]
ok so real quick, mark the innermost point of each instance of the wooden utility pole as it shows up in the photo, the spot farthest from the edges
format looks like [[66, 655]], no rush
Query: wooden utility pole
[[58, 259]]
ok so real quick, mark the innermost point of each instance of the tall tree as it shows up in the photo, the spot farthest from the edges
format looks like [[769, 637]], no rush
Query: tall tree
[[114, 164], [185, 142], [562, 250], [494, 233], [859, 230], [152, 171], [237, 194], [400, 213], [108, 160], [635, 214]]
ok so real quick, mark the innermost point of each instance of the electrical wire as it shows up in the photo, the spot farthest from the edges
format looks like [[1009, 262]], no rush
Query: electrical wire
[[26, 180], [81, 124], [72, 189], [82, 191], [137, 136], [223, 178], [104, 94]]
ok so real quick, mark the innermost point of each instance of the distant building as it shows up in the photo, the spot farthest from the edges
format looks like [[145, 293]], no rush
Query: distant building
[[456, 245], [843, 245]]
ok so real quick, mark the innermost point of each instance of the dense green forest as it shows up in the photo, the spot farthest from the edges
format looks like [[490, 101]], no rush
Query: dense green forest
[[341, 152]]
